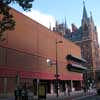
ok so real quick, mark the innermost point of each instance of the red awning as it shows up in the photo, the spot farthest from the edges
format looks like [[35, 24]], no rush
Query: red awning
[[72, 76], [5, 72], [39, 75]]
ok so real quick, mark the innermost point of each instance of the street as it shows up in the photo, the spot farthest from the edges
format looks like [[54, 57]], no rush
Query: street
[[96, 97], [90, 95], [80, 97]]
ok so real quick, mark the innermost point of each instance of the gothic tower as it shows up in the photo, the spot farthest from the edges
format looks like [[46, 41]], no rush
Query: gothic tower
[[89, 43], [86, 37]]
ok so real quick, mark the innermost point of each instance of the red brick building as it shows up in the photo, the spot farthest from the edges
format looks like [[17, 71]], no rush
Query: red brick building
[[23, 57]]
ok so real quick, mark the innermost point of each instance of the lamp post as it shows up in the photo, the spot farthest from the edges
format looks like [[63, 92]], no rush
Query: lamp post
[[57, 75], [49, 62]]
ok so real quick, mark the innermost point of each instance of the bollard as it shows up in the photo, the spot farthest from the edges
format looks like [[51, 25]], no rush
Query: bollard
[[16, 94]]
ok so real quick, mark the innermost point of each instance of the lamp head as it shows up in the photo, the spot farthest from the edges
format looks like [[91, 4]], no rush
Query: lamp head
[[49, 62]]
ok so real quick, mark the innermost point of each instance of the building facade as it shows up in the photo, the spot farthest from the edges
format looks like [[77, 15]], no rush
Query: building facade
[[86, 37], [23, 56]]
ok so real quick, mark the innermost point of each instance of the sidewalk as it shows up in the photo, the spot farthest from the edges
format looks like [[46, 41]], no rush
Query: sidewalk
[[73, 96]]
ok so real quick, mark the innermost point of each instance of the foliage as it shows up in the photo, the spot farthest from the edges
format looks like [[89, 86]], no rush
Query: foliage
[[7, 21]]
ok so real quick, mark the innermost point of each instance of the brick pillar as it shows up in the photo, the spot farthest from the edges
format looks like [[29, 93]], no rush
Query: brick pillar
[[18, 79], [5, 85], [81, 83]]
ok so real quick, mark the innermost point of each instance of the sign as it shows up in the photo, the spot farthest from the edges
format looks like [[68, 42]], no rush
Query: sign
[[42, 91]]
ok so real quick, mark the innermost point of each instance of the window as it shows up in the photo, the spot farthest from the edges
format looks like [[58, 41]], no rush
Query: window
[[2, 56], [85, 27]]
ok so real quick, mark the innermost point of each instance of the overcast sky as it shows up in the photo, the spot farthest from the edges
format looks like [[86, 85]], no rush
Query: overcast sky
[[47, 12]]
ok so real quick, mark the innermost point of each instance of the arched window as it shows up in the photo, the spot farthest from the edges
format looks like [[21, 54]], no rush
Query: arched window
[[85, 28]]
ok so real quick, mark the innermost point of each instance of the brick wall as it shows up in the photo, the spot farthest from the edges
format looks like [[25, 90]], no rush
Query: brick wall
[[30, 44]]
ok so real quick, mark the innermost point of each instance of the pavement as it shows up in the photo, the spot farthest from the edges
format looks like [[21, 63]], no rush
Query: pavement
[[95, 97], [73, 96]]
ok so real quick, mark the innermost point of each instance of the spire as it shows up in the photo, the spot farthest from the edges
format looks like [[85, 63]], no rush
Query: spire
[[84, 11], [91, 16], [56, 23], [65, 26], [90, 13], [66, 23]]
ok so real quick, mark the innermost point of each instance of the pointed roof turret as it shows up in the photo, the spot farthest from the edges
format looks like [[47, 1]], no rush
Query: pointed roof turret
[[84, 11], [91, 16], [65, 23]]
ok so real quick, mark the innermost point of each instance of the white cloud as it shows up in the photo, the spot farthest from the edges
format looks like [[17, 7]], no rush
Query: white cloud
[[44, 19], [48, 20]]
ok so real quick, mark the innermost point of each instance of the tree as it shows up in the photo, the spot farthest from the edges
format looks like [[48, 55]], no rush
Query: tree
[[7, 21]]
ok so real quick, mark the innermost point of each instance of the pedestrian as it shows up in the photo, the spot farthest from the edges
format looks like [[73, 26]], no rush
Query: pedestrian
[[84, 88], [30, 94], [20, 90], [68, 90], [23, 94], [16, 93], [26, 94]]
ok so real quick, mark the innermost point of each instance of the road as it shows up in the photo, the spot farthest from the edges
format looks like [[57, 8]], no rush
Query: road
[[81, 96], [64, 98], [96, 97]]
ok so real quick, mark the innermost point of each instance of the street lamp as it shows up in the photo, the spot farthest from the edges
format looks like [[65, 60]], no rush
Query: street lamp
[[49, 62]]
